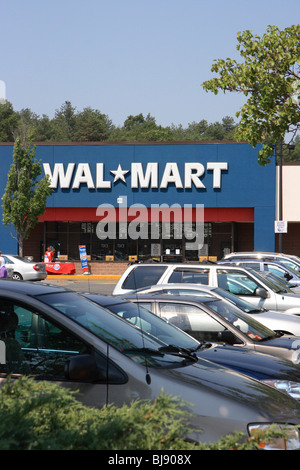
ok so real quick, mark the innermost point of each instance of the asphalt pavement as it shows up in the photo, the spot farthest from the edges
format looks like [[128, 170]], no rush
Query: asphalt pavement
[[84, 283]]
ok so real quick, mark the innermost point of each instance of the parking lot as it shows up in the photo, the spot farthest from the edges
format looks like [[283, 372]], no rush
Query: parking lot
[[91, 284]]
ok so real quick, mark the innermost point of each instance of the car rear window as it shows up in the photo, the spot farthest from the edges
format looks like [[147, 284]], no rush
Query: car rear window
[[143, 276]]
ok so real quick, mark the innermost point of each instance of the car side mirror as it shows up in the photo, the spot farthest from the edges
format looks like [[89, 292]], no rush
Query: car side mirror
[[82, 368], [261, 292], [226, 336]]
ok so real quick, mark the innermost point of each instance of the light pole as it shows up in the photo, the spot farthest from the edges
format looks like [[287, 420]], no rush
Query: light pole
[[280, 195]]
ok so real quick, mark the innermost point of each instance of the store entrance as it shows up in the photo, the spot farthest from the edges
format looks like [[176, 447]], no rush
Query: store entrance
[[219, 238]]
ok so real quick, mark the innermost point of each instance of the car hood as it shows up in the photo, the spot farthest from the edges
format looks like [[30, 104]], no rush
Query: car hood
[[249, 394], [255, 364]]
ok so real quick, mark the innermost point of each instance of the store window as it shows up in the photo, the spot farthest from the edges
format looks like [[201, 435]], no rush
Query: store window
[[143, 242]]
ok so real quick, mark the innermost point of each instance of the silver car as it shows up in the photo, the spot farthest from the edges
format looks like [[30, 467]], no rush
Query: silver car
[[290, 260], [276, 321], [67, 339], [247, 284], [24, 269], [208, 318], [284, 272]]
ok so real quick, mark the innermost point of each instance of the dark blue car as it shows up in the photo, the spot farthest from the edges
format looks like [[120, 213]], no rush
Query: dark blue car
[[276, 371]]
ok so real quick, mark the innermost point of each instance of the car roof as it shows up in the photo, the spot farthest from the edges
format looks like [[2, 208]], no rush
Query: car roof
[[106, 300], [186, 266], [28, 288], [261, 260], [177, 285], [254, 253], [174, 298]]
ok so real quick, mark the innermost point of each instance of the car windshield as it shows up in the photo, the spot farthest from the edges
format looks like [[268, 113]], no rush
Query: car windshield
[[153, 324], [292, 262], [237, 301], [273, 285], [292, 270], [247, 325], [280, 285], [142, 346]]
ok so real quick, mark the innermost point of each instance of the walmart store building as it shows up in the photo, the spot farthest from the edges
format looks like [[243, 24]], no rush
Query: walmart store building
[[93, 183]]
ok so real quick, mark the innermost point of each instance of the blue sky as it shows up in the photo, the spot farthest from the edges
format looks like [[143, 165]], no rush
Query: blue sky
[[125, 57]]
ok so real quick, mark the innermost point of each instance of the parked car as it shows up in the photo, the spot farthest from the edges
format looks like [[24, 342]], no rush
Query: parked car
[[289, 260], [276, 321], [211, 319], [281, 270], [268, 368], [281, 283], [66, 338], [247, 284], [23, 269]]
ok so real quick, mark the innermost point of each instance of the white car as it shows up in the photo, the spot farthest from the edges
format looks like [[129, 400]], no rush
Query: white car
[[283, 271], [247, 284], [276, 321], [23, 269], [289, 260]]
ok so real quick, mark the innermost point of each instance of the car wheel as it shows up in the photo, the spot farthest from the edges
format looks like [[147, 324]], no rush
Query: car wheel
[[17, 277]]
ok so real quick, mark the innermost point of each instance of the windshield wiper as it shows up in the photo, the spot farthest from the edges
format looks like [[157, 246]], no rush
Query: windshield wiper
[[162, 351], [178, 351]]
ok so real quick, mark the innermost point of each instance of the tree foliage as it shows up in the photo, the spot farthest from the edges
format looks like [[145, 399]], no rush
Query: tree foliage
[[268, 77], [8, 122], [90, 125], [25, 194], [44, 416]]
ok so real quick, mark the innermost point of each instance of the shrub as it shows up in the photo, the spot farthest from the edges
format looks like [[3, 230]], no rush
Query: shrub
[[45, 416]]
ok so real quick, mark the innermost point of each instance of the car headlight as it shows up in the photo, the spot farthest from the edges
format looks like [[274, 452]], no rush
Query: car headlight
[[287, 386], [289, 440]]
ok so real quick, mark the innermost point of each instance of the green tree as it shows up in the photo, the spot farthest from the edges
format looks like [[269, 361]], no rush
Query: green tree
[[132, 122], [91, 126], [201, 131], [141, 129], [268, 77], [27, 124], [44, 130], [9, 120], [292, 155], [64, 123], [25, 194]]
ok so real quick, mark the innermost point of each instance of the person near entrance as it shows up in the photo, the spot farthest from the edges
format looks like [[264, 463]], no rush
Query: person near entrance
[[49, 255]]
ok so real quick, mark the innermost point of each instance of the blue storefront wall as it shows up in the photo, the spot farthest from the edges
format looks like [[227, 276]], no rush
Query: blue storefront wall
[[244, 184]]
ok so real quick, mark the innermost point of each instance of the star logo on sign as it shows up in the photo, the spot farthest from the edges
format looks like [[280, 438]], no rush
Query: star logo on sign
[[119, 173]]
